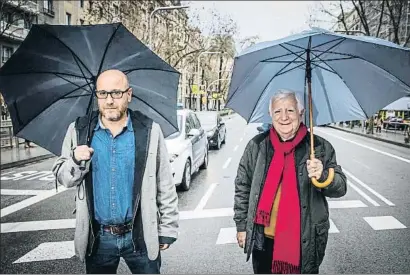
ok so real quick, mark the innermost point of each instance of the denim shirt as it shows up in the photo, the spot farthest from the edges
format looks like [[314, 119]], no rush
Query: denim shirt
[[113, 164]]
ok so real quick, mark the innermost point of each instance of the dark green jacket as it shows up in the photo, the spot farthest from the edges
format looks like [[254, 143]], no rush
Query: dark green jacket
[[315, 224]]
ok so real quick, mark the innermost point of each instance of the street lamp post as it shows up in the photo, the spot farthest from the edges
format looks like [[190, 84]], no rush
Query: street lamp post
[[150, 19], [198, 76]]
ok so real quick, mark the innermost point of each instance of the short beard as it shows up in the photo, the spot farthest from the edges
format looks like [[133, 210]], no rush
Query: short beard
[[121, 114]]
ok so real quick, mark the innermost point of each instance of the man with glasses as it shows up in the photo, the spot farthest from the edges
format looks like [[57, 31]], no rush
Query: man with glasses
[[126, 203]]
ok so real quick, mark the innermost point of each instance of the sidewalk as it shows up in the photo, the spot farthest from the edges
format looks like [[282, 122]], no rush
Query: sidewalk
[[396, 138], [12, 157]]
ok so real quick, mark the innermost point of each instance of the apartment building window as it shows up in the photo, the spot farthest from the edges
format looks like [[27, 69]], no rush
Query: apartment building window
[[6, 53], [81, 3], [81, 22], [68, 18], [48, 5]]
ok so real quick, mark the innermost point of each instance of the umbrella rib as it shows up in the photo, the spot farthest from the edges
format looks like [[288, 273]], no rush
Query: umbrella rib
[[48, 106], [278, 61], [150, 69], [78, 86], [358, 57], [41, 72], [152, 108], [264, 89], [65, 45], [323, 68], [279, 56], [335, 45], [300, 56], [106, 48]]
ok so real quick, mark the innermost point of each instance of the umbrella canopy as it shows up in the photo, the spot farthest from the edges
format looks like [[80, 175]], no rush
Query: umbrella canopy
[[50, 80], [399, 105], [352, 77]]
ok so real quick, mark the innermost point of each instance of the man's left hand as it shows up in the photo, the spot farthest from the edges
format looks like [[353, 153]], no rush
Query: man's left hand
[[163, 246], [314, 168]]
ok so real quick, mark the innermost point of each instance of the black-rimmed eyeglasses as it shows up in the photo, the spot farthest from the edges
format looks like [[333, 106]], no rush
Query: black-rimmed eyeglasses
[[116, 94]]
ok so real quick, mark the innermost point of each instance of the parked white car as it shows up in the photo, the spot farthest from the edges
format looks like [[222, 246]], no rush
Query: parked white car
[[188, 149]]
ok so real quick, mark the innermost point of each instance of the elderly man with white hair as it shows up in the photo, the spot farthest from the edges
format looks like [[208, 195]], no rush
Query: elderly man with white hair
[[282, 219]]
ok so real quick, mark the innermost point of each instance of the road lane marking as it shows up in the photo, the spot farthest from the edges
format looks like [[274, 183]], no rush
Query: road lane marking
[[206, 197], [49, 251], [236, 148], [228, 235], [384, 223], [226, 164], [16, 192], [37, 225], [386, 201], [338, 204], [241, 140], [333, 228], [7, 173], [30, 201], [183, 215], [361, 163], [368, 147], [363, 194]]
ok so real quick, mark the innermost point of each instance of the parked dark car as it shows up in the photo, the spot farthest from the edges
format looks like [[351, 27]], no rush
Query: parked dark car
[[264, 127], [214, 126]]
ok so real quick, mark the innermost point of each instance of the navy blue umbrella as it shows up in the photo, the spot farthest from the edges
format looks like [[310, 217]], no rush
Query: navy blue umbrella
[[50, 80]]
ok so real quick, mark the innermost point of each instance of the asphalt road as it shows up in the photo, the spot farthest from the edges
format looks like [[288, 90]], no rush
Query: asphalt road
[[369, 233]]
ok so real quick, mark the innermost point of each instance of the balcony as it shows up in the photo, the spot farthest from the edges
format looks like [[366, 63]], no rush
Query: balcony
[[13, 31], [49, 11], [25, 5]]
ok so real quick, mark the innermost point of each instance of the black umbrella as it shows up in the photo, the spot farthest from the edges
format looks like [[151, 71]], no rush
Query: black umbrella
[[50, 80]]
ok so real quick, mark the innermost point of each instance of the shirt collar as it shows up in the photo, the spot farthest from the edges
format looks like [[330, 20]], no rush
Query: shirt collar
[[128, 124]]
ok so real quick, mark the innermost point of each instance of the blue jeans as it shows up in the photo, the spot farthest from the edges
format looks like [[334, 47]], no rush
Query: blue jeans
[[109, 248]]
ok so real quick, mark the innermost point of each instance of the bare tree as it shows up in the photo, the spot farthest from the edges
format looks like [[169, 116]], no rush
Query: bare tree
[[14, 16], [386, 19]]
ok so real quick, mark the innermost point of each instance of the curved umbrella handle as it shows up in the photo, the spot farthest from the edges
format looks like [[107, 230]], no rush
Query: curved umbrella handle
[[328, 181]]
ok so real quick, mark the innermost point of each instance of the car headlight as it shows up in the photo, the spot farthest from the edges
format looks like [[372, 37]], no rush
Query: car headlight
[[172, 157]]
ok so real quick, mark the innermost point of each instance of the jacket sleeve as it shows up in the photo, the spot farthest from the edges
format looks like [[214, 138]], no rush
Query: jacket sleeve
[[65, 169], [167, 198], [338, 187], [243, 183]]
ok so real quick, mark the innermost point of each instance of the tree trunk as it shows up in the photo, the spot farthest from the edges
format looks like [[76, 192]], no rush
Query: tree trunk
[[219, 81]]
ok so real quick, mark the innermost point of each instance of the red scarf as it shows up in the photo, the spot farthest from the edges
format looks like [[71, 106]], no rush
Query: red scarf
[[286, 251]]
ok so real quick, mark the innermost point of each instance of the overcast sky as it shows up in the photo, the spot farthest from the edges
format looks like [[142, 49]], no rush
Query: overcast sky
[[267, 19]]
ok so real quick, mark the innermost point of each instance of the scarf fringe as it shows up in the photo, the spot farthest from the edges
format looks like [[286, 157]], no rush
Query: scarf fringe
[[279, 267], [262, 218]]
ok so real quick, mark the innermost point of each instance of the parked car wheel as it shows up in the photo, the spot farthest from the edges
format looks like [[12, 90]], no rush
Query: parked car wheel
[[186, 178], [224, 141]]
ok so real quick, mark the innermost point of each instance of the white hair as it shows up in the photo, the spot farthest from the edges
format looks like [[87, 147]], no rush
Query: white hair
[[283, 93]]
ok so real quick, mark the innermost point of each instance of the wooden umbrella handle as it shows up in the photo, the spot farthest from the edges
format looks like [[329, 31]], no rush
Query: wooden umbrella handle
[[331, 174]]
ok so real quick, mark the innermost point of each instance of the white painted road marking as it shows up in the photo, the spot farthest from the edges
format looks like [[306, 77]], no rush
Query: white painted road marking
[[336, 204], [227, 163], [49, 251], [363, 194], [384, 223], [236, 148], [333, 228], [241, 140], [228, 235], [30, 201], [386, 201], [37, 225], [368, 147], [206, 197], [16, 192]]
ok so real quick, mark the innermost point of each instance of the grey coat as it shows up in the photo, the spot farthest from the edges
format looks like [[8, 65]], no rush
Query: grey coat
[[159, 200], [315, 224]]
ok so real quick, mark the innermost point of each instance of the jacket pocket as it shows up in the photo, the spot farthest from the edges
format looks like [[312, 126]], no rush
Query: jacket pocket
[[321, 237]]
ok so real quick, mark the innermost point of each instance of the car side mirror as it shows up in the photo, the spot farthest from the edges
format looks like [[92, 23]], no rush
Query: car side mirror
[[221, 122], [260, 129], [193, 132]]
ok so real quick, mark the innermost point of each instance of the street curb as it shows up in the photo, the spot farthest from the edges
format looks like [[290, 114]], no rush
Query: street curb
[[372, 137], [25, 161]]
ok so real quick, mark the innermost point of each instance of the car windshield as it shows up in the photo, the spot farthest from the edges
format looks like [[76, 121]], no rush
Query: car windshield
[[176, 134], [207, 119]]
